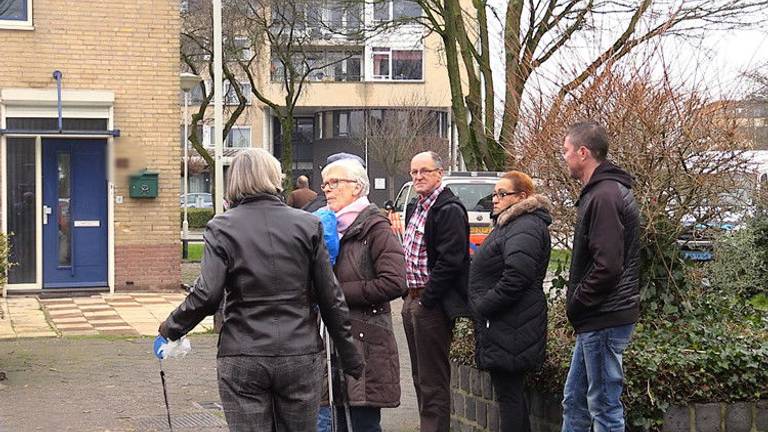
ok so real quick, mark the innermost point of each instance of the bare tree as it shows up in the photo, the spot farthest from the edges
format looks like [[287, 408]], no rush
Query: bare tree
[[538, 31], [394, 135], [267, 41], [683, 150]]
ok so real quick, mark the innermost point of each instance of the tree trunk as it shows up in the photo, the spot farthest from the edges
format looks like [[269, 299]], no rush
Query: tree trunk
[[467, 145], [286, 136]]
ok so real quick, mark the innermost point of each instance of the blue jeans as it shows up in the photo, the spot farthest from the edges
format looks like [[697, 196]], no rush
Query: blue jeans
[[592, 394]]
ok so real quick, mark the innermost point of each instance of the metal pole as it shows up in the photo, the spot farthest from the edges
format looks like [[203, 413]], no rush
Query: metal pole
[[218, 108], [185, 224]]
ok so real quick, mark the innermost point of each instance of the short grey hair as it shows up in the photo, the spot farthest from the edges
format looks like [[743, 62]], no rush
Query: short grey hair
[[253, 171], [436, 158], [354, 170], [302, 181]]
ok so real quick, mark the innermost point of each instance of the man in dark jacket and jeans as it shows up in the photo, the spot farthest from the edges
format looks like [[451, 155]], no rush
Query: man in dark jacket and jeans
[[603, 298], [436, 244]]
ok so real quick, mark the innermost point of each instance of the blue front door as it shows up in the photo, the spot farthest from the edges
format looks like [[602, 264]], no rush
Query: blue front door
[[74, 213]]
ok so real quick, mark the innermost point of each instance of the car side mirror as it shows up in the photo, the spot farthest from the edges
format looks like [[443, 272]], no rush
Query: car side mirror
[[389, 205]]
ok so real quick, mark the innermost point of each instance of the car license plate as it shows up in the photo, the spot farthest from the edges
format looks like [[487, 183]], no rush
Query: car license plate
[[480, 230]]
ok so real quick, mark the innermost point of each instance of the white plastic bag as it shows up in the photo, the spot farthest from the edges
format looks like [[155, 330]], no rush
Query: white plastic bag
[[177, 348]]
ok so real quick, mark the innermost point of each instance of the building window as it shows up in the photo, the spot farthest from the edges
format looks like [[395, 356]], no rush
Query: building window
[[406, 65], [405, 9], [391, 10], [238, 136], [381, 58], [397, 65], [382, 11], [15, 13], [341, 123], [230, 96], [242, 48]]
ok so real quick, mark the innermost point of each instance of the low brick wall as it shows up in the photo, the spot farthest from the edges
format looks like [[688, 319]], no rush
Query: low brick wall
[[474, 409]]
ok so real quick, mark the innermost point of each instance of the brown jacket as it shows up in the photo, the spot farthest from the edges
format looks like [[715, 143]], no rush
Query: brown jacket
[[371, 271], [300, 197]]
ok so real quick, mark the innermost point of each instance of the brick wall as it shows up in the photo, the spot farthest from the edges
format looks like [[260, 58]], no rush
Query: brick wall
[[132, 49], [474, 409]]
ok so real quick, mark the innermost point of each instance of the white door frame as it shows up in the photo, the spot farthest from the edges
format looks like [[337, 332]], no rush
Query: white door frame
[[43, 104]]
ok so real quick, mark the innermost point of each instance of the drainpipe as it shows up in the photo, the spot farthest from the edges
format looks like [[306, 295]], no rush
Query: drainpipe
[[57, 77]]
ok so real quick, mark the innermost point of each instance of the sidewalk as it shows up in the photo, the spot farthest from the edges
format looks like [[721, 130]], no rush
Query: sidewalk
[[123, 314]]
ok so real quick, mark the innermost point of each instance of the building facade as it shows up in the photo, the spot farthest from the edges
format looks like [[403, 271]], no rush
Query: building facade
[[372, 78], [89, 102]]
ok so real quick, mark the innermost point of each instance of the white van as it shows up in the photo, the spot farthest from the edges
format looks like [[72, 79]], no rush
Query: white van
[[474, 189]]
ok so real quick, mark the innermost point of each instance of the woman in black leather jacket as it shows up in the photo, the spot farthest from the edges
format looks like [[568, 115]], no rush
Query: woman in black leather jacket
[[506, 295], [269, 263]]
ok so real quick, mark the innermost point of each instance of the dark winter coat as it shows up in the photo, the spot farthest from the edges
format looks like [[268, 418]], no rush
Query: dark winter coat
[[371, 271], [505, 288], [604, 282], [446, 234], [272, 262]]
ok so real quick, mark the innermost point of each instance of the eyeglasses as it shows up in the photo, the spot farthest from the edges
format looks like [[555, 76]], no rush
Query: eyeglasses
[[423, 171], [503, 194], [334, 183]]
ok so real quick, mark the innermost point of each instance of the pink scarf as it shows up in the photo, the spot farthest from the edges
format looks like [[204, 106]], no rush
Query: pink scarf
[[348, 214]]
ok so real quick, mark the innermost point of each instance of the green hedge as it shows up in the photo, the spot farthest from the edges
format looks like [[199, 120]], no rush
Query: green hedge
[[714, 353], [197, 217]]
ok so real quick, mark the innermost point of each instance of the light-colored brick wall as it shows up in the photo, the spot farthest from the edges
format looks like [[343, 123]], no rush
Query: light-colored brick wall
[[132, 49]]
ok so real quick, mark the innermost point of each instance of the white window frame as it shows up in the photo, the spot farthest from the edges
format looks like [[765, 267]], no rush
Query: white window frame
[[244, 131], [390, 12], [390, 77], [378, 51], [208, 132], [9, 24], [227, 89]]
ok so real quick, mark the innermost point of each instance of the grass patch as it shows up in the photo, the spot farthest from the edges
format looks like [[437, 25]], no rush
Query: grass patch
[[195, 251], [559, 257]]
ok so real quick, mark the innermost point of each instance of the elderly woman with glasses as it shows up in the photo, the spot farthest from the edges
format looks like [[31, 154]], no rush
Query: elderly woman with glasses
[[270, 361], [371, 271], [506, 293]]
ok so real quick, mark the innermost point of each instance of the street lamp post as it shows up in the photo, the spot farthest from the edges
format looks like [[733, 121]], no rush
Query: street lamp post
[[187, 82]]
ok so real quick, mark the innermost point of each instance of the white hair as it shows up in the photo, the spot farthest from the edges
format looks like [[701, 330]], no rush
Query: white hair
[[253, 171], [354, 170]]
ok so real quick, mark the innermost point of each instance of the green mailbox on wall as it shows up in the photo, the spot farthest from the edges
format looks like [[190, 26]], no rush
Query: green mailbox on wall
[[143, 185]]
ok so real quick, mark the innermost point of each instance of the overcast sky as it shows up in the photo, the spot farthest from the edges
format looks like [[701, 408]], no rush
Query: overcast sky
[[715, 61]]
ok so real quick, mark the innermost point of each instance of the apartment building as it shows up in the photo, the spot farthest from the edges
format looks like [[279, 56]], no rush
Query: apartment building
[[372, 76], [89, 152]]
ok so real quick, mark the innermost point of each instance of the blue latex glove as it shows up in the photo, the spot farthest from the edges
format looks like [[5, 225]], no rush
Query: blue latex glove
[[330, 235], [159, 342]]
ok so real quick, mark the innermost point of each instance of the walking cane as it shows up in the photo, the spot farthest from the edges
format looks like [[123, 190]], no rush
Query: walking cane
[[344, 395], [327, 340], [165, 396]]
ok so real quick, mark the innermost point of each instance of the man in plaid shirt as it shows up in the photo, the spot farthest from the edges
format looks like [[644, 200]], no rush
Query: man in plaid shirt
[[436, 244]]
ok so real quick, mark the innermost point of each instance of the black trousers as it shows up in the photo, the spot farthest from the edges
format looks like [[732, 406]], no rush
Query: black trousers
[[513, 408]]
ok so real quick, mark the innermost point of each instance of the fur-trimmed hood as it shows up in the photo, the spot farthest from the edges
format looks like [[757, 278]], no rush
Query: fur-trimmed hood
[[531, 204]]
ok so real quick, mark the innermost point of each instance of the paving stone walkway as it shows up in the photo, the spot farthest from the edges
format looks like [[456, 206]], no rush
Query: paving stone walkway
[[123, 314]]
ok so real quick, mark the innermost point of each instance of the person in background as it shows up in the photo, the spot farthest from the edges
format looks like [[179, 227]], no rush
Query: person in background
[[269, 361], [436, 244], [603, 296], [371, 271], [319, 201], [302, 195], [506, 294]]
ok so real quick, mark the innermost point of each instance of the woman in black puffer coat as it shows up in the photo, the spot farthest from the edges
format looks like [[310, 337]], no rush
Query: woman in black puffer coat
[[506, 294]]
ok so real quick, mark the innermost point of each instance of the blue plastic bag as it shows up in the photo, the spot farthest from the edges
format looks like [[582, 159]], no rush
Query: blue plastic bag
[[330, 235]]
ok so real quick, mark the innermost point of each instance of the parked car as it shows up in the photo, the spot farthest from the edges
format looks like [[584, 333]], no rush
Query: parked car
[[197, 200], [474, 189]]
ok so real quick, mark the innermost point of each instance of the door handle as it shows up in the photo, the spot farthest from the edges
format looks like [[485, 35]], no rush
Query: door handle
[[46, 211]]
